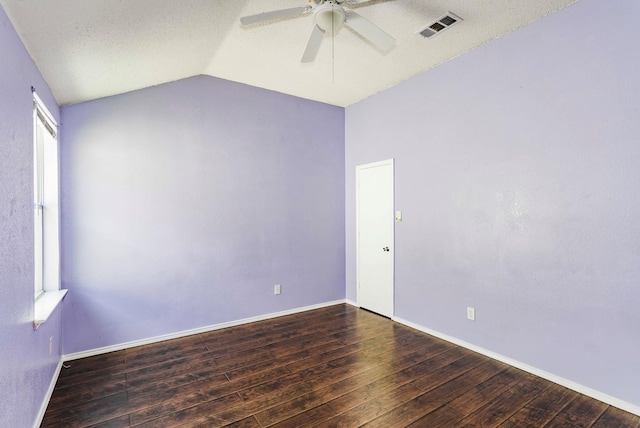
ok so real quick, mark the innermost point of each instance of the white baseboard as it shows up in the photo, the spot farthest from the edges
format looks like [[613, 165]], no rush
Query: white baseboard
[[121, 346], [352, 303], [47, 397], [605, 398]]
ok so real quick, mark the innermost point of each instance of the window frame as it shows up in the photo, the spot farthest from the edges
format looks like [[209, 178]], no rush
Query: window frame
[[46, 192]]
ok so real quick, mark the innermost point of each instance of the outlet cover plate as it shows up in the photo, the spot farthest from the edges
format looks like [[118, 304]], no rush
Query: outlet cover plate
[[471, 313]]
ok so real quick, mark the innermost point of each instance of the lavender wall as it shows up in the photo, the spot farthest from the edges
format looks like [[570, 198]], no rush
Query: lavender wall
[[185, 203], [26, 369], [518, 172]]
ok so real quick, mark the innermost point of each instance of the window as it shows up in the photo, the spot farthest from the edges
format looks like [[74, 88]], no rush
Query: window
[[46, 214]]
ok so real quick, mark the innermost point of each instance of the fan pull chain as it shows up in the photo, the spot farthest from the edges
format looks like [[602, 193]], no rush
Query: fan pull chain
[[333, 54]]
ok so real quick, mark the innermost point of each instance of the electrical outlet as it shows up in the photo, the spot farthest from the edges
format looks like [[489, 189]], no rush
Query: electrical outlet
[[50, 345], [276, 289], [471, 313]]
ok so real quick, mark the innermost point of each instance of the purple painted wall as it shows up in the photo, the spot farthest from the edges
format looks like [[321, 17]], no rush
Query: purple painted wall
[[518, 172], [185, 203], [26, 369]]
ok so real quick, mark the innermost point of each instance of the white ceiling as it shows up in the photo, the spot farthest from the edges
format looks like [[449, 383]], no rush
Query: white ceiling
[[88, 49]]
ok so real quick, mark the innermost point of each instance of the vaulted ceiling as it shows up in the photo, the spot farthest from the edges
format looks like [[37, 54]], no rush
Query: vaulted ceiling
[[92, 49]]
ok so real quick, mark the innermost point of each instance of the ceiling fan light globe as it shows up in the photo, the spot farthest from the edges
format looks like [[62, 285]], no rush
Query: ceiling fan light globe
[[329, 17]]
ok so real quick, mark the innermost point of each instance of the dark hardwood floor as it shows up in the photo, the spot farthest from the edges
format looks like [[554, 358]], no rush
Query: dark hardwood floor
[[332, 367]]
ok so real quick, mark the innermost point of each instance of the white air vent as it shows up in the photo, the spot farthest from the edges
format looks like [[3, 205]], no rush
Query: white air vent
[[439, 25]]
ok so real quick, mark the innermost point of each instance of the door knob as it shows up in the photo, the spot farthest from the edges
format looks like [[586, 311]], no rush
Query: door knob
[[385, 249]]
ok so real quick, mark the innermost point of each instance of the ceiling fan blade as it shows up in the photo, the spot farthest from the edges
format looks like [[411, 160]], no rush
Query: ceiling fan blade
[[369, 31], [266, 16], [313, 45]]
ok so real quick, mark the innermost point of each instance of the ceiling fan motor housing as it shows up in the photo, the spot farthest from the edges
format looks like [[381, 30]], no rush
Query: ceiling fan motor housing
[[329, 16]]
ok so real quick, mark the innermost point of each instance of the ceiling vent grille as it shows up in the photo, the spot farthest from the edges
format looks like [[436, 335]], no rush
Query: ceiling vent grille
[[439, 25]]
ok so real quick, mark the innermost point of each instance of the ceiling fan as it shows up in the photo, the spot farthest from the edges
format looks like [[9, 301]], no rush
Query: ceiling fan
[[328, 16]]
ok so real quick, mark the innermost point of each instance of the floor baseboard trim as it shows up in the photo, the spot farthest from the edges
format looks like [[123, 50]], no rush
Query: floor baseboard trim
[[605, 398], [47, 397], [352, 303], [132, 344]]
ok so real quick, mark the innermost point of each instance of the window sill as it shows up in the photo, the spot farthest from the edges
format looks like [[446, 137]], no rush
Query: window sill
[[45, 305]]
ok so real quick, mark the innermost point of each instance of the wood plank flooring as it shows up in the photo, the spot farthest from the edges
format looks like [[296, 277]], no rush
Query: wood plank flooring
[[332, 367]]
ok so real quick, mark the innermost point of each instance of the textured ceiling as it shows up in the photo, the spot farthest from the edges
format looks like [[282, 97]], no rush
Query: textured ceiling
[[91, 49]]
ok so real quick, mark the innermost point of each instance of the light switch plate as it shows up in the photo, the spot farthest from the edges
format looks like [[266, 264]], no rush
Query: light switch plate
[[471, 313]]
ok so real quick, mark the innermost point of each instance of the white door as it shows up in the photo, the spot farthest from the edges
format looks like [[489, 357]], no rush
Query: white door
[[375, 236]]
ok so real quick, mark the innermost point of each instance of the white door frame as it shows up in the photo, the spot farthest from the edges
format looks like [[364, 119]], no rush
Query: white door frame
[[390, 162]]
